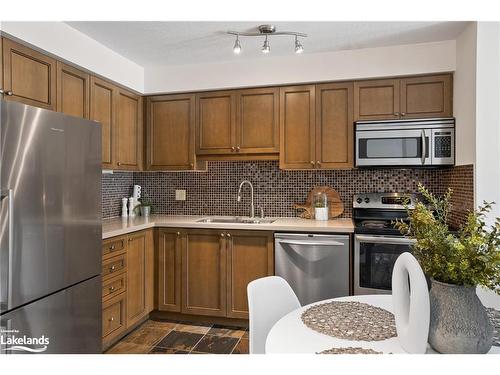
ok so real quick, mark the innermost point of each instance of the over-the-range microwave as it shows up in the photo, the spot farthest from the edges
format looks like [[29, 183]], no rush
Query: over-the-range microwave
[[405, 143]]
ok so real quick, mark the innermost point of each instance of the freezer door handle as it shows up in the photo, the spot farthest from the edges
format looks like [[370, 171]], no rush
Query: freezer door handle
[[8, 195], [311, 243]]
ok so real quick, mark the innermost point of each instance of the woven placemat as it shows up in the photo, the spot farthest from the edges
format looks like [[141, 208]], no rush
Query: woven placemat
[[495, 320], [351, 321], [349, 350]]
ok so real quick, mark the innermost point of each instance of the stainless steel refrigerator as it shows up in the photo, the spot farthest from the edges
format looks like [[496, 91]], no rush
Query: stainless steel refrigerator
[[50, 231]]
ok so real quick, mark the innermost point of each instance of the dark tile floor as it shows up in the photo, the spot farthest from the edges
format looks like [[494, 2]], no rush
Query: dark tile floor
[[172, 337]]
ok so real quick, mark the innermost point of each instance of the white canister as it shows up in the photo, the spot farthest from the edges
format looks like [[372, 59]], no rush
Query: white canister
[[131, 206], [124, 207], [137, 191], [321, 213]]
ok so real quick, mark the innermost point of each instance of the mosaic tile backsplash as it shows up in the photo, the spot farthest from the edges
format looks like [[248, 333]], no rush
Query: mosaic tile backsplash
[[214, 192]]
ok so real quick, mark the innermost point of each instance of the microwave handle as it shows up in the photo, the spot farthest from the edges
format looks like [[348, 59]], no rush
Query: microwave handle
[[424, 146]]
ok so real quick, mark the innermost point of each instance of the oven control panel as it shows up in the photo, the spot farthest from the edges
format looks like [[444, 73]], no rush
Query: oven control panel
[[383, 200]]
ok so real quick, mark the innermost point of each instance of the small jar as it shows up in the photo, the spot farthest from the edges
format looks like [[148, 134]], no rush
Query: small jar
[[320, 204]]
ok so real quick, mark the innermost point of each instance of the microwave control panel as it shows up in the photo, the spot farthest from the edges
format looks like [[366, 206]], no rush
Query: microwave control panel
[[442, 145]]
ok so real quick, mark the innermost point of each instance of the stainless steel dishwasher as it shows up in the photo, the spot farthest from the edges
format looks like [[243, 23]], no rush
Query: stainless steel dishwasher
[[315, 265]]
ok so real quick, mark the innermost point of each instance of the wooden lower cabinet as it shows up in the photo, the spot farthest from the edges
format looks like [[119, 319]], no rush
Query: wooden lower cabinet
[[140, 276], [114, 321], [169, 242], [249, 256], [128, 283], [204, 272]]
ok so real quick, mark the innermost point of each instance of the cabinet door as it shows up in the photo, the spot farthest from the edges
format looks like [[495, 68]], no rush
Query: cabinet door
[[73, 91], [257, 119], [169, 269], [297, 127], [170, 132], [102, 109], [376, 100], [114, 320], [128, 131], [204, 273], [334, 125], [216, 117], [140, 274], [250, 256], [29, 76], [426, 96]]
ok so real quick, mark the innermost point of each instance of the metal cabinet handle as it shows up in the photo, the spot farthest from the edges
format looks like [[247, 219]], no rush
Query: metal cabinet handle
[[112, 268], [118, 163], [178, 234], [111, 319], [228, 235], [10, 93], [403, 113], [318, 163], [222, 234], [2, 92], [112, 247], [397, 114], [111, 289], [233, 149], [237, 148], [191, 165], [312, 163]]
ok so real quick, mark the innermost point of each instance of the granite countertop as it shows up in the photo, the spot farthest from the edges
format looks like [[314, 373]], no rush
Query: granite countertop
[[118, 226]]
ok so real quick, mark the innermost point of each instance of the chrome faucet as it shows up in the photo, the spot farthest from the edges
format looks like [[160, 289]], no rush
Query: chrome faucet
[[252, 211]]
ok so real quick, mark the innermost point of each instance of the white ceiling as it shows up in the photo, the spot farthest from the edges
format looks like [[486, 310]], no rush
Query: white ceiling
[[177, 43]]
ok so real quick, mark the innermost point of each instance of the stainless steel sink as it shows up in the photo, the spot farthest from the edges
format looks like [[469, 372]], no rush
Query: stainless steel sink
[[235, 220]]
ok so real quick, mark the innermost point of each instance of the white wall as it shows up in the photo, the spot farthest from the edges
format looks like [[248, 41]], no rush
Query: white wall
[[464, 95], [71, 45], [488, 125], [328, 66]]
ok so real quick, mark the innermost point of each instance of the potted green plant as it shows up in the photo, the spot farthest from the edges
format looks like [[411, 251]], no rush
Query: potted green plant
[[145, 206], [455, 264]]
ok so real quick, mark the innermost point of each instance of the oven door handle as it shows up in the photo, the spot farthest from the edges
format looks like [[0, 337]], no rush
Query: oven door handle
[[394, 240]]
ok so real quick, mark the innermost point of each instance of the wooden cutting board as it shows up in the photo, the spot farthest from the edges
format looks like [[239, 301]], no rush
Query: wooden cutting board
[[335, 204]]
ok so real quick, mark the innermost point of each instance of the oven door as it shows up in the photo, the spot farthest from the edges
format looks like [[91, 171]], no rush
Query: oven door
[[374, 258], [395, 147]]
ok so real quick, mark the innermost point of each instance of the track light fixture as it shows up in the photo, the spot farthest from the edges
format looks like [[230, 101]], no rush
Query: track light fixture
[[237, 45], [267, 31], [266, 48]]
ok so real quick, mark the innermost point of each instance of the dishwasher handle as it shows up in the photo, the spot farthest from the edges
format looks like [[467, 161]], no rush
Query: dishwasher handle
[[311, 243]]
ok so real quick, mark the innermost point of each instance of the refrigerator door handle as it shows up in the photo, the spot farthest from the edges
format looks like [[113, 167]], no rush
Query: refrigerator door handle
[[8, 194]]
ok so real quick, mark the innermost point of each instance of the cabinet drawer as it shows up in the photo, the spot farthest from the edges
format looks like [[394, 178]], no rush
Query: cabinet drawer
[[114, 286], [113, 246], [113, 317], [113, 266]]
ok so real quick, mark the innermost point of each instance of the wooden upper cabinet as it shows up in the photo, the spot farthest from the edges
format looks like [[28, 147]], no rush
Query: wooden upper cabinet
[[169, 269], [73, 91], [140, 276], [297, 127], [216, 117], [257, 121], [204, 273], [430, 96], [376, 100], [171, 132], [128, 130], [249, 257], [29, 76], [334, 125], [102, 109]]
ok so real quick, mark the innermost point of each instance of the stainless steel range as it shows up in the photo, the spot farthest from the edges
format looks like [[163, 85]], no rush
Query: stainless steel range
[[377, 244]]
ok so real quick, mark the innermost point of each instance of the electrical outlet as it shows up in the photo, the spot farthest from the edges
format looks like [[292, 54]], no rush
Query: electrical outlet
[[180, 195]]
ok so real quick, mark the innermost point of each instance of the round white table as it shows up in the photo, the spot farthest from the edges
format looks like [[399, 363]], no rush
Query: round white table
[[290, 335]]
